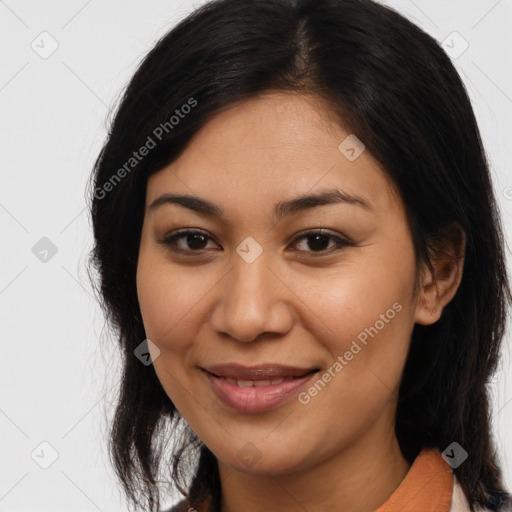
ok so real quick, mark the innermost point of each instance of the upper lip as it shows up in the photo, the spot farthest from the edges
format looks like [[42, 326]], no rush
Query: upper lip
[[259, 372]]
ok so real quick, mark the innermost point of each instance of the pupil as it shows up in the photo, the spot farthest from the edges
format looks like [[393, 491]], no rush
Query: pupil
[[193, 240], [318, 246]]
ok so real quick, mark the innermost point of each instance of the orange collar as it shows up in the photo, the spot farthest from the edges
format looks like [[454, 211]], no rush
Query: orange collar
[[427, 487]]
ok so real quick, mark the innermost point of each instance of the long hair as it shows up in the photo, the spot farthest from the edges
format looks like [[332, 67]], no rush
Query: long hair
[[395, 88]]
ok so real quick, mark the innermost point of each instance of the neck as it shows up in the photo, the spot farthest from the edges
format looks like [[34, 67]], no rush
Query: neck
[[359, 478]]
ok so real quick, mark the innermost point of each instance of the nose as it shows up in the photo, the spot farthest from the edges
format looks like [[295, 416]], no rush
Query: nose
[[253, 300]]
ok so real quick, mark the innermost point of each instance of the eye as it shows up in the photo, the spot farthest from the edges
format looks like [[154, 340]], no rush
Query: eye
[[193, 238], [316, 240]]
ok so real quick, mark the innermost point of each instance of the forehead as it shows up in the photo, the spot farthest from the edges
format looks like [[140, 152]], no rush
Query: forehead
[[268, 148]]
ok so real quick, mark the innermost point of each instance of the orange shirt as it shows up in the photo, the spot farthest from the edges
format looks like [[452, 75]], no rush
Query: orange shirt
[[427, 487]]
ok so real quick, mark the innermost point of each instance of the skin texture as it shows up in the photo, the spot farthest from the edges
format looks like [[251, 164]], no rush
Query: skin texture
[[292, 305]]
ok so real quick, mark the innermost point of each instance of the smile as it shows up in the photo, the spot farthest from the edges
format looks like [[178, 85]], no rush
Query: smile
[[257, 394]]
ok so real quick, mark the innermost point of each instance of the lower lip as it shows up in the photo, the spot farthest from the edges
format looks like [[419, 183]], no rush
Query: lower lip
[[255, 399]]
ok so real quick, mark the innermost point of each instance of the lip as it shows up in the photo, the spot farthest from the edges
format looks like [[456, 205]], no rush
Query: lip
[[259, 372], [254, 399]]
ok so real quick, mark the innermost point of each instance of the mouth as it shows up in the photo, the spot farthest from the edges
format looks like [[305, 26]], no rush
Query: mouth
[[244, 383], [261, 375], [256, 389], [256, 383]]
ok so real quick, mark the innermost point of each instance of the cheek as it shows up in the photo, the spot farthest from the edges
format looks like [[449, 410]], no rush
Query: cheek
[[368, 338], [155, 301], [367, 316], [167, 299], [170, 300], [370, 293]]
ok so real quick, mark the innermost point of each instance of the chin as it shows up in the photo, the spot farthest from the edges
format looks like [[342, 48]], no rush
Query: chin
[[252, 460]]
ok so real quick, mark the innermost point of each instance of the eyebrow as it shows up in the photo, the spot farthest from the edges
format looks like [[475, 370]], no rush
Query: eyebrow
[[281, 209]]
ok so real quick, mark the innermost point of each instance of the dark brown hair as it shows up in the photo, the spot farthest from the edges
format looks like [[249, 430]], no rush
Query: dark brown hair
[[398, 92]]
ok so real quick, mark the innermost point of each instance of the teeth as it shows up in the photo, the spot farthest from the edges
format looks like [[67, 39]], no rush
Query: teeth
[[257, 383]]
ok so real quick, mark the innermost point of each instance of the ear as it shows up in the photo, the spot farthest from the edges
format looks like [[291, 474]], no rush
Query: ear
[[439, 287]]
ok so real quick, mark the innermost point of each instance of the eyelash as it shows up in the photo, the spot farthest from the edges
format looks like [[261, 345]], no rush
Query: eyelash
[[170, 241]]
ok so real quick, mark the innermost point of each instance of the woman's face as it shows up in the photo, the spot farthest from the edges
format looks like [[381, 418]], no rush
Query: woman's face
[[254, 289]]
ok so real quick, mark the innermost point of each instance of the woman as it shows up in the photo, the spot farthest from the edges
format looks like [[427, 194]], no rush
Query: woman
[[294, 222]]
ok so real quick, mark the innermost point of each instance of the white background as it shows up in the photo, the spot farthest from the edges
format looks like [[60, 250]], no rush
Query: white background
[[57, 372]]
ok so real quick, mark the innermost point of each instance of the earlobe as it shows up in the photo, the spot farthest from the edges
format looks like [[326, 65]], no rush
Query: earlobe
[[439, 286], [429, 306]]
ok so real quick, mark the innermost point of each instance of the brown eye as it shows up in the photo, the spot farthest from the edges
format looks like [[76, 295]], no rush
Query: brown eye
[[318, 242], [191, 241]]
